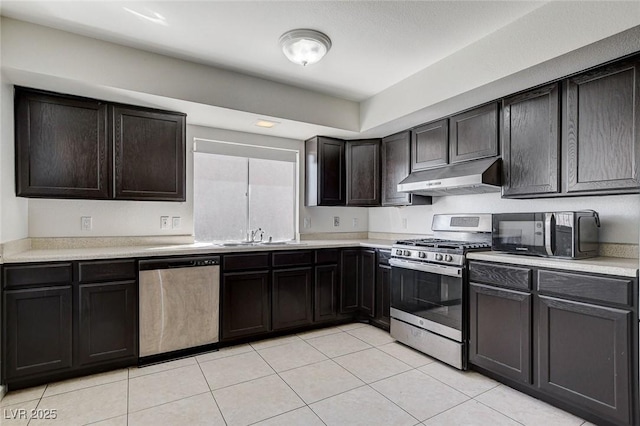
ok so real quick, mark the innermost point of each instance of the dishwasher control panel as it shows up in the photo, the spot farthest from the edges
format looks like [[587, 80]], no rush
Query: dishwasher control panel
[[206, 262]]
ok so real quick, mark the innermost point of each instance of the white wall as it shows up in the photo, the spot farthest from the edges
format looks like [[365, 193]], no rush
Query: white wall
[[619, 214]]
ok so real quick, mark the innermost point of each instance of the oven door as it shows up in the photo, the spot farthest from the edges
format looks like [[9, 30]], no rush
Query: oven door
[[428, 296]]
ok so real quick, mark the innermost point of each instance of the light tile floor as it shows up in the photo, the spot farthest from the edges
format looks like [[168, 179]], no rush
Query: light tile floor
[[348, 375]]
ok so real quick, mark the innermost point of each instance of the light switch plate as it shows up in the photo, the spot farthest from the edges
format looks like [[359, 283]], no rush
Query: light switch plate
[[176, 222], [355, 222], [336, 221], [306, 223], [404, 223], [164, 222]]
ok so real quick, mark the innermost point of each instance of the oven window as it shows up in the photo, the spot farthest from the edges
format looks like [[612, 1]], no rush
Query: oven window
[[434, 297]]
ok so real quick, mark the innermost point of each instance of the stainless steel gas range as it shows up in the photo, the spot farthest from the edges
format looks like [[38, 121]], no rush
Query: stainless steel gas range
[[429, 288]]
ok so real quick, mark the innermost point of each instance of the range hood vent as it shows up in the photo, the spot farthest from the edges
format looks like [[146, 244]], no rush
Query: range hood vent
[[471, 177]]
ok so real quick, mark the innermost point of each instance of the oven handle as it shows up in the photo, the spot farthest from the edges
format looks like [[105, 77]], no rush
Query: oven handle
[[427, 267]]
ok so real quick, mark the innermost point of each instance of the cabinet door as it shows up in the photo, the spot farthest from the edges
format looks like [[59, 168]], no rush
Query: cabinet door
[[474, 134], [530, 143], [292, 298], [363, 172], [601, 137], [383, 294], [584, 355], [149, 154], [61, 146], [107, 321], [245, 304], [500, 331], [349, 280], [368, 282], [326, 293], [430, 145], [37, 330], [396, 160], [325, 172]]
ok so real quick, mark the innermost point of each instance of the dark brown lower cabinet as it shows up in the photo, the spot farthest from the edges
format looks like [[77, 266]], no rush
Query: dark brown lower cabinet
[[326, 293], [246, 304], [38, 331], [349, 280], [368, 282], [383, 295], [107, 321], [584, 355], [292, 297], [500, 331]]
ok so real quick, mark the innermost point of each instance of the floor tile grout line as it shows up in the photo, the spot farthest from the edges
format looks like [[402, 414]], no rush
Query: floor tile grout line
[[448, 385], [215, 401], [448, 409], [499, 412], [167, 402], [394, 403]]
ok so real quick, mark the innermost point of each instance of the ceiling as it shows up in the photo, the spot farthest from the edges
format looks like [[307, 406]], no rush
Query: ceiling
[[375, 44], [392, 65]]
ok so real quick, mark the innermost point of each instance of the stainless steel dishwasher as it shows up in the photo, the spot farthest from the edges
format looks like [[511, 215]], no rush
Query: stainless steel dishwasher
[[179, 303]]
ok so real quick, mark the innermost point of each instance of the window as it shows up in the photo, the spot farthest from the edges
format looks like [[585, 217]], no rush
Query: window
[[236, 194]]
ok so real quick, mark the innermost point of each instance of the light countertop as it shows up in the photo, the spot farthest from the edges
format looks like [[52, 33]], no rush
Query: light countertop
[[52, 255], [597, 265]]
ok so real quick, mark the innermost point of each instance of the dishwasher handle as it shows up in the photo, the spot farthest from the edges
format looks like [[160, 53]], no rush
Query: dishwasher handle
[[179, 262]]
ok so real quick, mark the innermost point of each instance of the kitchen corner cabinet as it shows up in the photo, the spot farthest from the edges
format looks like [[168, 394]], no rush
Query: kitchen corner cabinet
[[357, 282], [395, 154], [363, 172], [325, 172], [473, 134], [149, 154], [430, 145], [67, 146], [602, 130], [578, 333], [531, 143]]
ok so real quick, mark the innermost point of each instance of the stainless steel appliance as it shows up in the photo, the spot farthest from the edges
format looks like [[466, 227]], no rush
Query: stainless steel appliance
[[429, 286], [179, 303], [572, 235]]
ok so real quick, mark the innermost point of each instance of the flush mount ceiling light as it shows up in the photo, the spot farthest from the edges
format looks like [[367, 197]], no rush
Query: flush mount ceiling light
[[266, 123], [304, 47]]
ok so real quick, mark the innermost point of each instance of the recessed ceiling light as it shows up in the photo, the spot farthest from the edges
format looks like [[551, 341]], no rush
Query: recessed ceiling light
[[155, 17], [266, 123], [304, 47]]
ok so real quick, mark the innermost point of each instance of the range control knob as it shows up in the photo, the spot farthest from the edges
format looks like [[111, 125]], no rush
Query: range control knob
[[438, 256], [399, 252], [448, 258], [422, 255], [407, 253]]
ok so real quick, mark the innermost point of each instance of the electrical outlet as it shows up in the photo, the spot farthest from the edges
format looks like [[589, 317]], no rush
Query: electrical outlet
[[86, 223], [176, 222], [355, 222], [306, 222], [164, 222], [404, 223], [336, 221]]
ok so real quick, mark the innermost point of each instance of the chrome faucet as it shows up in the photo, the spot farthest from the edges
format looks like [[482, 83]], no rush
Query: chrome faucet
[[254, 235]]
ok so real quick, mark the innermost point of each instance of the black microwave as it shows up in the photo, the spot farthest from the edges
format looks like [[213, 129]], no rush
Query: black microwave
[[572, 235]]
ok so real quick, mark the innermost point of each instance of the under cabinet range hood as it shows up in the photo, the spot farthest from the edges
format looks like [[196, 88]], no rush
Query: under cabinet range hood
[[470, 177]]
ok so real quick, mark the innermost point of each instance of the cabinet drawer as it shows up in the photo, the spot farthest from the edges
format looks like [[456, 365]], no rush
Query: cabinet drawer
[[503, 276], [327, 256], [110, 270], [44, 274], [292, 258], [586, 287], [240, 262]]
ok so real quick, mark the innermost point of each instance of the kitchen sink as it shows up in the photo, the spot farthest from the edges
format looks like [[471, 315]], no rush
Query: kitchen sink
[[239, 244]]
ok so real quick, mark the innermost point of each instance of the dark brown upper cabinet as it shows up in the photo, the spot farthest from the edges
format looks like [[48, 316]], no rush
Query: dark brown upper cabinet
[[363, 172], [61, 146], [325, 172], [73, 147], [474, 134], [429, 145], [531, 143], [395, 152], [149, 154], [601, 130]]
